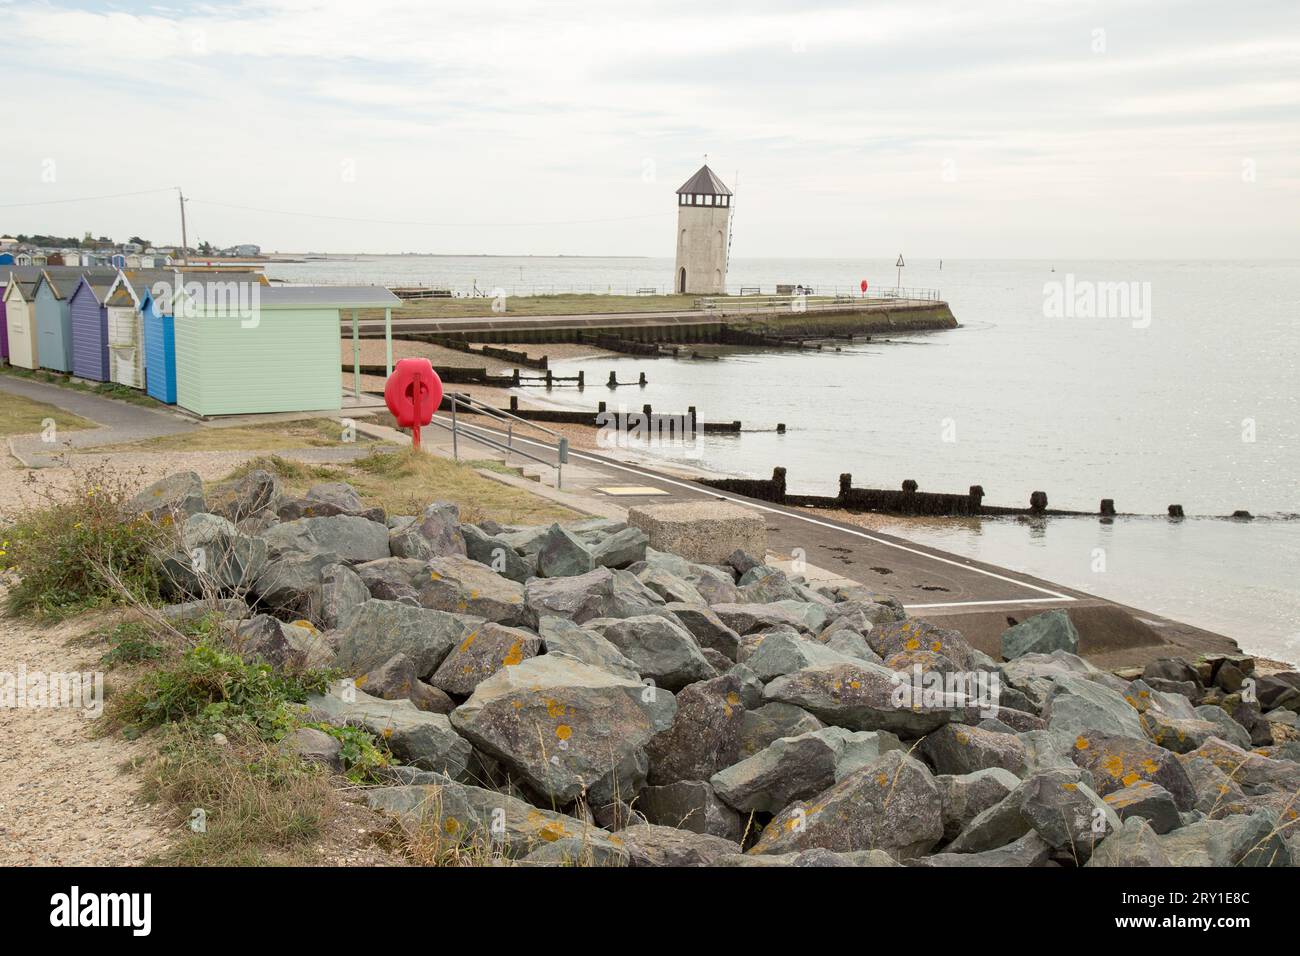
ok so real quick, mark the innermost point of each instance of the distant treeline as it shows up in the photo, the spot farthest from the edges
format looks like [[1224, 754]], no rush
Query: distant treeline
[[71, 242]]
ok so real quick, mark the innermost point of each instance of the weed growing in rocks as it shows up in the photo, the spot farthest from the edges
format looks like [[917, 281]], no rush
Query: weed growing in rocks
[[218, 692], [68, 553], [132, 642], [256, 805]]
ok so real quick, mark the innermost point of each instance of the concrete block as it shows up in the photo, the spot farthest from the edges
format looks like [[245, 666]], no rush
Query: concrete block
[[706, 532]]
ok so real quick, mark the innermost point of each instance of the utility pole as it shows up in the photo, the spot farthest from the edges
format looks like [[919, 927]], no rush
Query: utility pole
[[185, 242]]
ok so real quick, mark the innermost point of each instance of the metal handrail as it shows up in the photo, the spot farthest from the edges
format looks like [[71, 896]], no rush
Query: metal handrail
[[813, 300], [456, 427], [498, 413]]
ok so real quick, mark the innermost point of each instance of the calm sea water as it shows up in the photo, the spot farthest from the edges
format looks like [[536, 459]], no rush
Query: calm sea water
[[1190, 396]]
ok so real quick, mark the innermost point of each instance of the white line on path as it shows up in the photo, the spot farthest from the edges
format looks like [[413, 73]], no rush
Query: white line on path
[[1053, 595]]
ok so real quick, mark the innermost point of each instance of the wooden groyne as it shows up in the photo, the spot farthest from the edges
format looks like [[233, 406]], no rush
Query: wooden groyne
[[907, 500]]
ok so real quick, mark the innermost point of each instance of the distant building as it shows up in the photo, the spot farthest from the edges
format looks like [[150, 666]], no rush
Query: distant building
[[8, 243], [244, 249], [703, 220]]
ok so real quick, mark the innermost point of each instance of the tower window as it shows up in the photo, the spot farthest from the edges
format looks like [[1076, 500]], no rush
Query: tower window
[[708, 200]]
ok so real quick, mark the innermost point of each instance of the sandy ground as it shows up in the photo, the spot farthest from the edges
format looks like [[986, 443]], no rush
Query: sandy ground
[[66, 795], [373, 353], [21, 488]]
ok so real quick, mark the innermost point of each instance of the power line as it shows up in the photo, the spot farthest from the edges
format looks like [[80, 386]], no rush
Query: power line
[[418, 222], [57, 202]]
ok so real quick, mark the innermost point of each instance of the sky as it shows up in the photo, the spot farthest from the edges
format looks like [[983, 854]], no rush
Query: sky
[[1050, 129]]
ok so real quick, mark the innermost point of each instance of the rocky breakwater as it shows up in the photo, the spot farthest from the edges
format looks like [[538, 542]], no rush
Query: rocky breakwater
[[572, 693]]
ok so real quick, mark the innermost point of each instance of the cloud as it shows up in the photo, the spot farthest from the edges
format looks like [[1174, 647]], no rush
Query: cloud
[[992, 129]]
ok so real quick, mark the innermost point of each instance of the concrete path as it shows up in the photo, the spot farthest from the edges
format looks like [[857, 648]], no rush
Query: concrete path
[[119, 421]]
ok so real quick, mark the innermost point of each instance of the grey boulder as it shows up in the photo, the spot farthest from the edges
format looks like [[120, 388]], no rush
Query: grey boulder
[[567, 728]]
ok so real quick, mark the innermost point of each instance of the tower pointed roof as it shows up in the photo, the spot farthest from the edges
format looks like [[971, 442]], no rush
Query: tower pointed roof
[[705, 182]]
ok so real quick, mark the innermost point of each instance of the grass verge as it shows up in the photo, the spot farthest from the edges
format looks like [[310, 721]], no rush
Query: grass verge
[[404, 481], [267, 437], [23, 416], [568, 304]]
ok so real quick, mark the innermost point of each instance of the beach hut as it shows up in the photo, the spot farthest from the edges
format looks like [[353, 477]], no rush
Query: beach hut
[[275, 351], [4, 316], [159, 330], [6, 258], [54, 321], [89, 326], [20, 321], [123, 305], [125, 338]]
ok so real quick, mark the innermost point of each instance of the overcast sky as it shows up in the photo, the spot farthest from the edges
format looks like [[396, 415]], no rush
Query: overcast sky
[[959, 130]]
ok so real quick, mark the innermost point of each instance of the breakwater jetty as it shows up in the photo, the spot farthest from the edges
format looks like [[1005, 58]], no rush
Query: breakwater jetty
[[777, 318]]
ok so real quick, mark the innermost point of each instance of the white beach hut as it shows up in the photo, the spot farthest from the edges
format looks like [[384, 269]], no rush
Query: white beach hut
[[20, 313]]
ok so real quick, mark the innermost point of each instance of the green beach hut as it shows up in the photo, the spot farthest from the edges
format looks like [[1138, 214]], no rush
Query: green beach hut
[[244, 347]]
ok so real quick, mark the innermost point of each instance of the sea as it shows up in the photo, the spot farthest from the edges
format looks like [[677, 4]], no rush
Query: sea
[[1148, 382]]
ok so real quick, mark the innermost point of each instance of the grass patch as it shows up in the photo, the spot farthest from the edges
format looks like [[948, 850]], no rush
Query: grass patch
[[289, 470], [22, 416], [256, 805], [406, 481], [68, 552], [132, 642], [121, 393], [267, 437], [568, 304], [220, 719], [403, 481], [216, 691]]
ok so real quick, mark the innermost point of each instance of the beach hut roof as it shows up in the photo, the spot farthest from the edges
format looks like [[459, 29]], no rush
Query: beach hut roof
[[705, 182], [328, 297], [63, 281], [26, 287], [99, 285]]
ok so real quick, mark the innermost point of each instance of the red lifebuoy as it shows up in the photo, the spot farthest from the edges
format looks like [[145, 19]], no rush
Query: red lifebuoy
[[413, 393]]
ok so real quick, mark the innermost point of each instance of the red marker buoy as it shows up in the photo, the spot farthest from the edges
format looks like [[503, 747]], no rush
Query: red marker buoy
[[864, 286], [413, 393]]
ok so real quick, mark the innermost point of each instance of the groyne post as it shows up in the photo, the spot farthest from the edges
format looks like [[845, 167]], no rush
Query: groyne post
[[1038, 502], [1107, 507]]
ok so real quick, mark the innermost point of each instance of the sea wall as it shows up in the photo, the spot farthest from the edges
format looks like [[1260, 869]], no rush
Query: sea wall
[[649, 327], [823, 322]]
